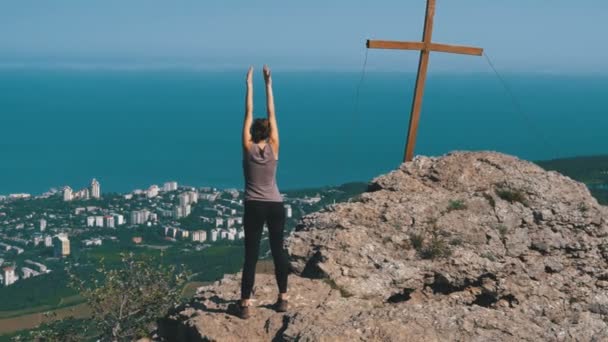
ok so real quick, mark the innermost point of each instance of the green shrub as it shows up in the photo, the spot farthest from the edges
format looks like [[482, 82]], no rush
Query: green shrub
[[502, 230], [435, 249], [456, 205], [511, 195], [489, 256], [417, 241], [456, 242]]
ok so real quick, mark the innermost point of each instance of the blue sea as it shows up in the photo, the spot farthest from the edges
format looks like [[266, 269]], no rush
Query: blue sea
[[131, 129]]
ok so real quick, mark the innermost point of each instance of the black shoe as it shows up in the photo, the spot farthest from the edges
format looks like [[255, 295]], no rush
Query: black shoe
[[281, 305], [243, 311]]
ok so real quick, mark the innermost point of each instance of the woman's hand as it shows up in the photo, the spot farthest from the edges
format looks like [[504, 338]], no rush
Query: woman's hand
[[267, 76], [249, 80]]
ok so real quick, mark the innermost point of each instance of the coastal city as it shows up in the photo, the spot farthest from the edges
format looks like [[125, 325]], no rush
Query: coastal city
[[40, 233]]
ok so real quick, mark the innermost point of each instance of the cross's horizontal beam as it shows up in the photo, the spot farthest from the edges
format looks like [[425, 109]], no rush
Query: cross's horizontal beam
[[396, 45]]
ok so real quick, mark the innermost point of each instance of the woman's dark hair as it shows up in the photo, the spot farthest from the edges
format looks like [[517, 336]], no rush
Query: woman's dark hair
[[260, 130]]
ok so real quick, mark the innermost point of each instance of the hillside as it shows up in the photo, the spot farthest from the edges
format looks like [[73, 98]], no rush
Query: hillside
[[465, 247], [592, 171]]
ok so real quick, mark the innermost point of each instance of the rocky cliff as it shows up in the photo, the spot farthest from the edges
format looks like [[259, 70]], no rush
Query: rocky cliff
[[465, 247]]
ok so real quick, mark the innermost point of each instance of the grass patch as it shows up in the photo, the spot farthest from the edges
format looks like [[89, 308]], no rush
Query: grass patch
[[456, 242], [511, 195], [489, 256], [417, 241], [456, 205], [435, 249], [502, 230]]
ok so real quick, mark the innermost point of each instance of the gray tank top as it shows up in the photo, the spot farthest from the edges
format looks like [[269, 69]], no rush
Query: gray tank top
[[260, 169]]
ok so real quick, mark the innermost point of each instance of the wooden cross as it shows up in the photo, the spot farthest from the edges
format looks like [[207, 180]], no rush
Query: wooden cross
[[425, 47]]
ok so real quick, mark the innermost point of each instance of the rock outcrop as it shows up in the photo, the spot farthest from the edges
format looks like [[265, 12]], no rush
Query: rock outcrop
[[465, 247]]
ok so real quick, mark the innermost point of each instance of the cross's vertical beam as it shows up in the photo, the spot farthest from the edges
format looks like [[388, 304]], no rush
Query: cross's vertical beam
[[420, 81]]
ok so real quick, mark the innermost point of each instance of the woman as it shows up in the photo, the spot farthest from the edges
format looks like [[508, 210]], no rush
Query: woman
[[263, 202]]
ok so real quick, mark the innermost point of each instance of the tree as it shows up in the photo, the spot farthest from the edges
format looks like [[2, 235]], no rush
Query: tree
[[126, 301]]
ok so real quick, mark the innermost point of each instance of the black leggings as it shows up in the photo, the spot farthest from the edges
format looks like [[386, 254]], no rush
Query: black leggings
[[256, 214]]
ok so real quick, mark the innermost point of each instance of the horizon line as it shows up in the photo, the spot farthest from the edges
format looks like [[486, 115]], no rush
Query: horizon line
[[193, 67]]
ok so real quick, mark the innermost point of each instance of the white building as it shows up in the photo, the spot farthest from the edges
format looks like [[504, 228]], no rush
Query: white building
[[219, 222], [231, 236], [9, 276], [5, 246], [233, 192], [48, 241], [178, 212], [62, 245], [139, 216], [152, 191], [83, 194], [68, 194], [92, 242], [119, 220], [223, 234], [153, 217], [99, 221], [170, 186], [28, 272], [37, 239], [214, 234], [193, 196], [95, 189], [241, 234], [42, 268], [166, 213], [91, 221], [19, 196], [288, 211], [182, 211], [109, 221], [42, 225], [199, 236], [184, 199]]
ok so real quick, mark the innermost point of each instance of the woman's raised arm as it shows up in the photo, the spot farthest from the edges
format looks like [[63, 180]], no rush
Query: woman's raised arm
[[248, 110], [272, 119]]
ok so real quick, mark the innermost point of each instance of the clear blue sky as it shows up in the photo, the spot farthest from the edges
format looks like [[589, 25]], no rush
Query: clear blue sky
[[541, 35]]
